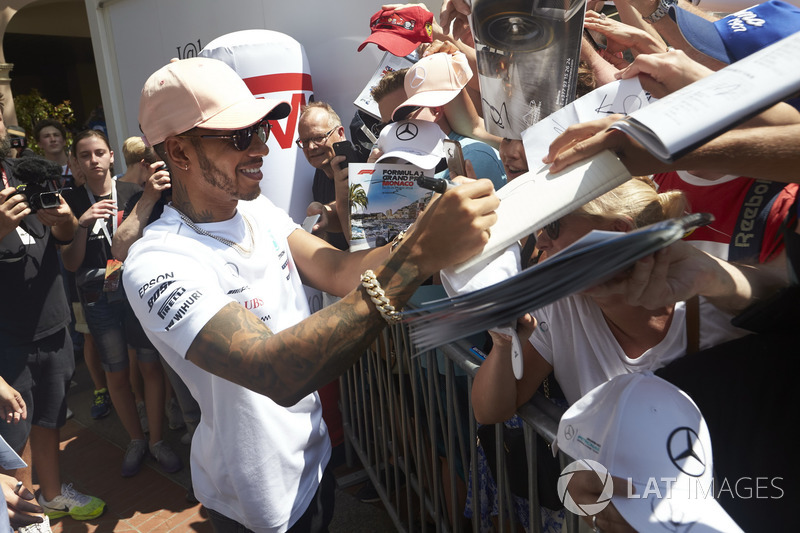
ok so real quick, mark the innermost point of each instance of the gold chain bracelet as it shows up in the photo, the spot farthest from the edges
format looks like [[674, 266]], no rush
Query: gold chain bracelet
[[378, 297]]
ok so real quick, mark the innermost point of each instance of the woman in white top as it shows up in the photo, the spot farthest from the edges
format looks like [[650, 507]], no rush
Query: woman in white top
[[588, 338]]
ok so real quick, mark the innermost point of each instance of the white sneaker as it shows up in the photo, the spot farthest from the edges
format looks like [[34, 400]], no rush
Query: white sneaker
[[41, 527], [72, 503]]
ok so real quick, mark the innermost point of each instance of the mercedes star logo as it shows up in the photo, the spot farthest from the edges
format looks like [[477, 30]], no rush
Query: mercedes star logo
[[569, 432], [686, 451], [407, 131], [418, 78]]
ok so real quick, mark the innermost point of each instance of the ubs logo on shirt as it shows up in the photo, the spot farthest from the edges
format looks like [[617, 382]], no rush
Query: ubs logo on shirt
[[255, 303]]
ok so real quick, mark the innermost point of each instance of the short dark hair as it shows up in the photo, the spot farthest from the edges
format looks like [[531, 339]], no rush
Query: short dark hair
[[42, 124]]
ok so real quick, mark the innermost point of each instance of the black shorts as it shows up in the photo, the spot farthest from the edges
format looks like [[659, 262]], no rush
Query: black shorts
[[41, 372]]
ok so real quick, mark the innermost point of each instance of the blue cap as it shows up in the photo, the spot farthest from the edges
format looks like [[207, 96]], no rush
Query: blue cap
[[740, 34]]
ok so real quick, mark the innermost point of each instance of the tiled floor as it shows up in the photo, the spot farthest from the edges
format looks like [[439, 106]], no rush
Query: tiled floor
[[152, 501], [146, 502]]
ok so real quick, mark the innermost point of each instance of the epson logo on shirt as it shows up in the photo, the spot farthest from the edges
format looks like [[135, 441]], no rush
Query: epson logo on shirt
[[157, 279], [741, 20]]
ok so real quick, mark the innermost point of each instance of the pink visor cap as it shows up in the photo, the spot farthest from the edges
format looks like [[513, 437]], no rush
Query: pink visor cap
[[435, 80], [416, 141], [201, 92]]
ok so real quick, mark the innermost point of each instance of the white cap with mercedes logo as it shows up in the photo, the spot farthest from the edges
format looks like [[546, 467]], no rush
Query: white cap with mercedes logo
[[416, 141], [644, 429]]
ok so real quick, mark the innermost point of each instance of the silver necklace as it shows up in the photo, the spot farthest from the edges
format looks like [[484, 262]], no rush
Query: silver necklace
[[244, 252]]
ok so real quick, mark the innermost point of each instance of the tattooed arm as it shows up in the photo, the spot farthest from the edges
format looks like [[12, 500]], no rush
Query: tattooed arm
[[288, 365]]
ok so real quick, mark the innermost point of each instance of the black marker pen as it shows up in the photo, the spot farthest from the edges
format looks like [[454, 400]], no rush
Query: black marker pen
[[439, 185]]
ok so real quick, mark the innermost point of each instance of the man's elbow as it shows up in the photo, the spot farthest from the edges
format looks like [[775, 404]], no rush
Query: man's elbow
[[287, 400], [118, 251]]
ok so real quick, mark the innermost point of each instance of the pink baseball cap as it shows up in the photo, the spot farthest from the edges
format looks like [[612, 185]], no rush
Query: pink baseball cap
[[203, 92], [400, 31], [435, 80]]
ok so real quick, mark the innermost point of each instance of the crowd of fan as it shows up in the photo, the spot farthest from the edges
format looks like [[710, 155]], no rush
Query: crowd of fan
[[712, 314]]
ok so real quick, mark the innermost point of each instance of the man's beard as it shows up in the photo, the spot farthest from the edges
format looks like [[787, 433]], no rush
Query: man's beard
[[215, 177]]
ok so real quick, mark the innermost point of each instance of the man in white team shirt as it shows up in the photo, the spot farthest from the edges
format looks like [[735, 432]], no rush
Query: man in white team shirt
[[216, 284]]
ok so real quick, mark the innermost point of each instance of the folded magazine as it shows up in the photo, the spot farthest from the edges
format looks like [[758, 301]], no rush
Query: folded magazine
[[591, 260]]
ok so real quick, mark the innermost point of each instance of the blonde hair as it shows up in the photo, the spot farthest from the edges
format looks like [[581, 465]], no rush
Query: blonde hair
[[636, 202], [134, 150], [586, 80]]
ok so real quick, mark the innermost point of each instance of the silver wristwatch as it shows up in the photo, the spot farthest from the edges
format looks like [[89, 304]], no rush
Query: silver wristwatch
[[661, 10]]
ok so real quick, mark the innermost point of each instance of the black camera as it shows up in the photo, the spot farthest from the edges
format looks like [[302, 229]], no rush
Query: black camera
[[39, 196], [39, 179], [18, 142]]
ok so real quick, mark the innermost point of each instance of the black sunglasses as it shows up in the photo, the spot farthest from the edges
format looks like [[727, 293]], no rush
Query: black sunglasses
[[553, 229], [402, 115], [243, 137]]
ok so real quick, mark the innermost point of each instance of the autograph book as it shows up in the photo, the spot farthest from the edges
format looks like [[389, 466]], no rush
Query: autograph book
[[537, 198], [587, 262], [695, 114]]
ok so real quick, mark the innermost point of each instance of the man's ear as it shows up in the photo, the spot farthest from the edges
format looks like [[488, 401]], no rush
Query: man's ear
[[175, 150]]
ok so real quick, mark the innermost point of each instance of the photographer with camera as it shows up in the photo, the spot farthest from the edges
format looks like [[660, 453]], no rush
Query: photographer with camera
[[37, 360], [19, 142]]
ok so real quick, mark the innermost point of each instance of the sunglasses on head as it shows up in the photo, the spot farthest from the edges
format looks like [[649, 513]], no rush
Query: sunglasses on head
[[553, 229], [243, 137]]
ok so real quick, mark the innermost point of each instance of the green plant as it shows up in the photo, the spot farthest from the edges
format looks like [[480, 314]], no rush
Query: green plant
[[33, 107], [358, 197]]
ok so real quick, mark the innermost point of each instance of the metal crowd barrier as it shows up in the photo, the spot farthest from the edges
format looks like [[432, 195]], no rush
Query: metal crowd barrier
[[403, 414]]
